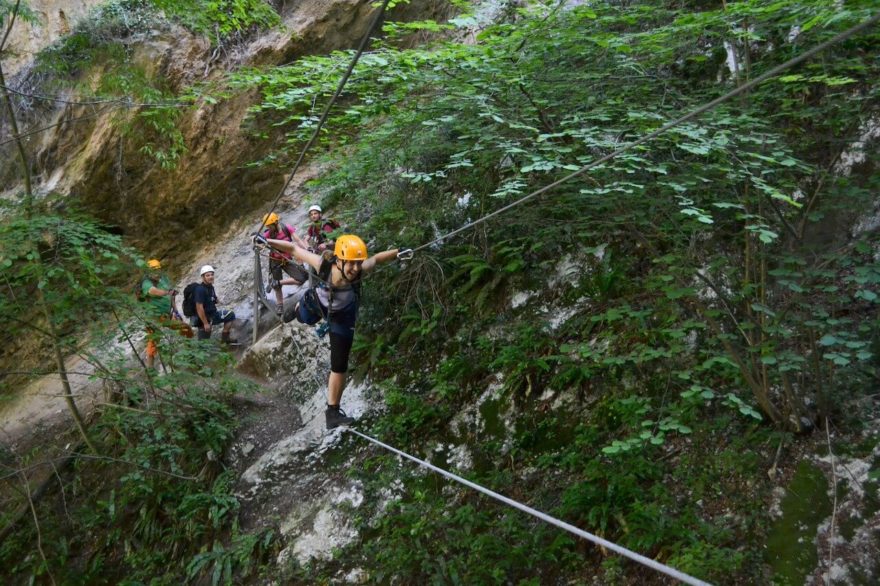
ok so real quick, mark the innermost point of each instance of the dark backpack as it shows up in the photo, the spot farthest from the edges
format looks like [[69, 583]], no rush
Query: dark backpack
[[189, 300], [309, 310]]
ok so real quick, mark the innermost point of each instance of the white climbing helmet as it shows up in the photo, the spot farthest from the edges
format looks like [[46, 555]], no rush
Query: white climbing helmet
[[205, 269], [316, 208]]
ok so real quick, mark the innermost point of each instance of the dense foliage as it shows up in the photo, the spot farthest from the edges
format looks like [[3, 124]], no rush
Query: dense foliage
[[620, 351], [154, 504], [147, 478], [716, 277]]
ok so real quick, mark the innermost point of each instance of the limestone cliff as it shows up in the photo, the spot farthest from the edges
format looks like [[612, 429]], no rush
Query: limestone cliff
[[90, 153]]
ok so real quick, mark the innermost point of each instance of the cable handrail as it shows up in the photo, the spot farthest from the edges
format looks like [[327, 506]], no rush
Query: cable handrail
[[326, 113], [619, 549], [125, 101], [669, 125]]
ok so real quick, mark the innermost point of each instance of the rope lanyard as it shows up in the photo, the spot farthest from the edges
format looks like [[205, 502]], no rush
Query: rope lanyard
[[302, 355], [619, 549]]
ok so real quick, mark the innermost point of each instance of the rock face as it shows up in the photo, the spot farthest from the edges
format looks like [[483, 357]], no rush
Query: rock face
[[56, 18], [96, 154], [202, 212]]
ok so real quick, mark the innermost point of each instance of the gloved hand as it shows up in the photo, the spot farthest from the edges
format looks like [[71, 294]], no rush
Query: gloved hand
[[405, 254], [259, 241]]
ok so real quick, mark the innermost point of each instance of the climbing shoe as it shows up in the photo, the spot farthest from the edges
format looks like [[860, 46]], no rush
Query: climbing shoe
[[225, 339], [321, 329], [336, 417]]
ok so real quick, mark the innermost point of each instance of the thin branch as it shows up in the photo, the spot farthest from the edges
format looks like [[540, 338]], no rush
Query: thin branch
[[61, 488], [48, 372], [28, 324], [14, 13], [834, 506], [60, 123], [30, 500], [127, 408]]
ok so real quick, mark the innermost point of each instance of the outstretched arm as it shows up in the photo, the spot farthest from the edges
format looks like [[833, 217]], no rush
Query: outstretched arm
[[379, 259], [157, 292], [300, 254], [299, 241]]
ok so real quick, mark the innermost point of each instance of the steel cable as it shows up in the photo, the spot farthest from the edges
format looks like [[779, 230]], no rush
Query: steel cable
[[619, 549], [693, 114]]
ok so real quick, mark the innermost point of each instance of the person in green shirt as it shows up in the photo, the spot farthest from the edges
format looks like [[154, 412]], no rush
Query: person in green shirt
[[158, 297]]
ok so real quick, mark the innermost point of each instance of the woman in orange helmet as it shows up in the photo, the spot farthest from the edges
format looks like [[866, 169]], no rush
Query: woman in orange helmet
[[278, 262], [338, 296]]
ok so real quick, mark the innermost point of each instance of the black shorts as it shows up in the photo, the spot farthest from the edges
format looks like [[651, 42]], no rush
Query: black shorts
[[294, 270], [340, 348]]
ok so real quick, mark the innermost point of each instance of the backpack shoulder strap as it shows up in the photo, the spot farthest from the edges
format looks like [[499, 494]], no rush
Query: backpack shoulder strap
[[326, 268]]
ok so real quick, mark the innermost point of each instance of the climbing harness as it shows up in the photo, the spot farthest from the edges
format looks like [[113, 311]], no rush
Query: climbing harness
[[619, 549]]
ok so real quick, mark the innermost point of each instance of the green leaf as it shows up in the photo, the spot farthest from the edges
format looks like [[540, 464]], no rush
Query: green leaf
[[866, 295], [763, 309], [678, 292]]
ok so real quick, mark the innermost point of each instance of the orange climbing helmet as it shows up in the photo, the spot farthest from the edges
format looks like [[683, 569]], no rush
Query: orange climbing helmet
[[270, 218], [154, 264], [350, 247]]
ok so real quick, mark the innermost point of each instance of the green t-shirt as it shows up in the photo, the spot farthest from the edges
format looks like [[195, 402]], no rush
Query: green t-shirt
[[159, 305]]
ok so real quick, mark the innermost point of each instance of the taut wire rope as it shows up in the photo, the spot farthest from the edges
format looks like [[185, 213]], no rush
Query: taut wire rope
[[690, 115], [326, 112], [124, 101], [646, 561], [672, 572], [657, 566], [101, 112]]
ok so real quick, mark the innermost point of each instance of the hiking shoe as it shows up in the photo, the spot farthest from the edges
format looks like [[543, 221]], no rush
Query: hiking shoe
[[321, 329], [279, 310], [225, 339], [336, 417]]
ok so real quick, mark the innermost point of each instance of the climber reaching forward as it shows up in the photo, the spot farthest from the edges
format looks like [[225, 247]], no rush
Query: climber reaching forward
[[339, 298]]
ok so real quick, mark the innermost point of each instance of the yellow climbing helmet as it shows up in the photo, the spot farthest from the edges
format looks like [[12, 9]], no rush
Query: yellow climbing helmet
[[154, 263], [270, 218], [350, 247]]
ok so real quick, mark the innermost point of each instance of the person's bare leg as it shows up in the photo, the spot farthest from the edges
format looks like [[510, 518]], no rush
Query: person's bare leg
[[335, 386]]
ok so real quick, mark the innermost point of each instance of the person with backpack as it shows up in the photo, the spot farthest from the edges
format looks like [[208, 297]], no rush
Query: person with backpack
[[158, 297], [337, 294], [317, 235], [204, 300], [279, 261]]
